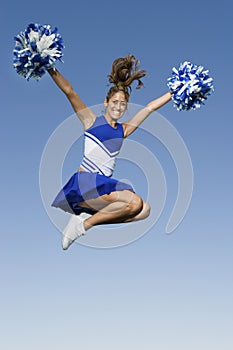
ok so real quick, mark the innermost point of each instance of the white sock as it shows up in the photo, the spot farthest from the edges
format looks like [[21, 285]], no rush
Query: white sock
[[85, 215], [81, 227], [72, 231]]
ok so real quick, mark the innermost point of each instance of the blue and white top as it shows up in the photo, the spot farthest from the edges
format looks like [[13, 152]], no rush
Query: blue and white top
[[102, 143]]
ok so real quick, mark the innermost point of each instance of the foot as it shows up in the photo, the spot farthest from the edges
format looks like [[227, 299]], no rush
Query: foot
[[73, 230]]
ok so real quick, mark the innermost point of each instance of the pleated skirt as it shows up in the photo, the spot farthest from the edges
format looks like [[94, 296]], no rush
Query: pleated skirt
[[83, 186]]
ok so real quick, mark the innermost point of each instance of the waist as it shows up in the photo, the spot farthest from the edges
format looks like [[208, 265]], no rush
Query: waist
[[81, 169]]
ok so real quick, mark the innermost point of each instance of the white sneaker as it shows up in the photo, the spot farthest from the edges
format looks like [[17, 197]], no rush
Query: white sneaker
[[73, 230]]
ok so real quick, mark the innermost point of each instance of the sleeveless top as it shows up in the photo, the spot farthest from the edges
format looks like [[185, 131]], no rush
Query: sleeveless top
[[102, 143]]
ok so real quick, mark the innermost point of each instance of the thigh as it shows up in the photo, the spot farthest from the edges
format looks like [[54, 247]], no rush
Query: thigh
[[100, 202]]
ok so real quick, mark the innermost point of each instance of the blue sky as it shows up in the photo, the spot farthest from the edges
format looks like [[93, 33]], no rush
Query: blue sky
[[162, 291]]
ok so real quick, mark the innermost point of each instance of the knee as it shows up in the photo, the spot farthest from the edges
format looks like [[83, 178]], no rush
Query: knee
[[135, 205], [146, 210]]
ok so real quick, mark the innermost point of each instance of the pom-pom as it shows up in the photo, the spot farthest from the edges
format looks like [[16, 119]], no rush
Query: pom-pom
[[36, 50], [190, 85]]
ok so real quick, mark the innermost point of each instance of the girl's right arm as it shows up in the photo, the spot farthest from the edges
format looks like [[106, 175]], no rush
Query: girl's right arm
[[86, 116], [131, 125]]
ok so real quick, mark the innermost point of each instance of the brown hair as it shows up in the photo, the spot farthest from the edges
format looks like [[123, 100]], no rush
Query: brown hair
[[124, 72]]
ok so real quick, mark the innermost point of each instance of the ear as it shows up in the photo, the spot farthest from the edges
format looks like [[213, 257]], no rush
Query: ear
[[105, 103]]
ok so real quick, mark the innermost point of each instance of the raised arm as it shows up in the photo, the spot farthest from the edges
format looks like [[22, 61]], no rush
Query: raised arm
[[132, 124], [86, 116]]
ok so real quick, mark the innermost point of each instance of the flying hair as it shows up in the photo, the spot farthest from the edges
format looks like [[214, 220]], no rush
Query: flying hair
[[125, 70]]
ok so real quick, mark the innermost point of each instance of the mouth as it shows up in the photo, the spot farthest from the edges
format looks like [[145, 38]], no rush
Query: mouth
[[116, 113]]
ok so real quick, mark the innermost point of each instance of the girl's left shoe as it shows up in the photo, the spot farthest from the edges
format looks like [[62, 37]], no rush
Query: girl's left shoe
[[73, 230]]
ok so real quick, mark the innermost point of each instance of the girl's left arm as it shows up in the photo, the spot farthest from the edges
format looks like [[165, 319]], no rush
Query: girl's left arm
[[132, 124]]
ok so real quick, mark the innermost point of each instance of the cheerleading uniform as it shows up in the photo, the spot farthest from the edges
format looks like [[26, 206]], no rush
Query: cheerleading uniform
[[102, 143]]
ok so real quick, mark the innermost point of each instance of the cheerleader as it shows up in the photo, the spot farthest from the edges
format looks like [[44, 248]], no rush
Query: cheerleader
[[91, 195]]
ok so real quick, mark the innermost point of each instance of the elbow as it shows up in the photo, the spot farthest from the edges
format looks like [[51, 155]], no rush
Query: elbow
[[150, 107], [69, 91]]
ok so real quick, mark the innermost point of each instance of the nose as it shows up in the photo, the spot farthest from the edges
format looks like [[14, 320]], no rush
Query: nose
[[118, 106]]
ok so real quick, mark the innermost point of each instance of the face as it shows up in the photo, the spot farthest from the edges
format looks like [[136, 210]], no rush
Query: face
[[116, 106]]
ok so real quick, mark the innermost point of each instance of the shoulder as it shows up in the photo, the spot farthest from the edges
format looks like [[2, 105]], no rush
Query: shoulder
[[124, 129], [97, 121], [89, 121]]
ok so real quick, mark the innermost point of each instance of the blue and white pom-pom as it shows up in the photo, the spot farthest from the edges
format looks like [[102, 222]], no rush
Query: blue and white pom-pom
[[36, 50], [190, 85]]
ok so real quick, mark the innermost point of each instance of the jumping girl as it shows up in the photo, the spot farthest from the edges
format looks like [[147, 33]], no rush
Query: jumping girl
[[91, 195]]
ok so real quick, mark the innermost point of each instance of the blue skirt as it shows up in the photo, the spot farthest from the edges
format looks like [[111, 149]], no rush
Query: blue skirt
[[83, 186]]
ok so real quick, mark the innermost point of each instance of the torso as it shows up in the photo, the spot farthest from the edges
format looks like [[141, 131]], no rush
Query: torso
[[102, 144]]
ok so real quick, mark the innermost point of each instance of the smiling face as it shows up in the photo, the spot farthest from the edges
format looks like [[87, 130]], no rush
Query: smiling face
[[116, 106]]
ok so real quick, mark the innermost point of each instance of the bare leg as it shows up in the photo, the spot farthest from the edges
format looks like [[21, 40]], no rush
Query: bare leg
[[117, 207], [144, 213]]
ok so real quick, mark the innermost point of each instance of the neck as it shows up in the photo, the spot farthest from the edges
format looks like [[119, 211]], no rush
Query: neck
[[110, 121]]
